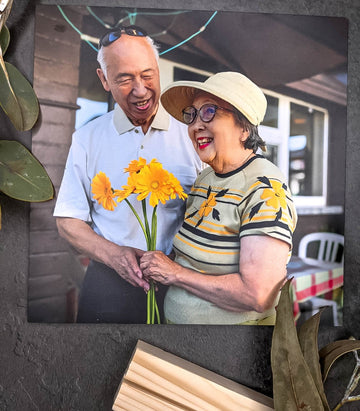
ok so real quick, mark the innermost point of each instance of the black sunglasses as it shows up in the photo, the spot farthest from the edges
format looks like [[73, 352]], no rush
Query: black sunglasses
[[115, 34], [206, 112]]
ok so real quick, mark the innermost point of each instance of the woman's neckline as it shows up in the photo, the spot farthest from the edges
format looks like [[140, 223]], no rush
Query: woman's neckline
[[247, 162]]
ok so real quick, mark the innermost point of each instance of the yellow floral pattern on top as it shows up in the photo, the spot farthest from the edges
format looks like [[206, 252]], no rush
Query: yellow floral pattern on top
[[207, 206], [221, 210], [275, 196]]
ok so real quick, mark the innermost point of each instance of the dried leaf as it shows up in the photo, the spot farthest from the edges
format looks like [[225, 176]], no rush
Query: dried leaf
[[293, 384], [331, 352], [308, 339]]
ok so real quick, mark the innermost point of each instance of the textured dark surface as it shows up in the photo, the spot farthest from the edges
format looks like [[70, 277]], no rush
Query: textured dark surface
[[78, 367]]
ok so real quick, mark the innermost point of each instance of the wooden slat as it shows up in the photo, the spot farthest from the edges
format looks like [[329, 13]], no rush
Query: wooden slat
[[157, 380]]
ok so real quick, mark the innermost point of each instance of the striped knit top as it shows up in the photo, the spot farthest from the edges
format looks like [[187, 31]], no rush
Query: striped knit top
[[220, 210]]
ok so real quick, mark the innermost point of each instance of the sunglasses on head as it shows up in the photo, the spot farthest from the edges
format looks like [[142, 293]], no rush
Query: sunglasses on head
[[206, 112], [115, 34]]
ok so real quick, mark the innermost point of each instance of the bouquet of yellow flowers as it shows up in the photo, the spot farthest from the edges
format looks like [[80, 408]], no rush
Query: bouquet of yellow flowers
[[147, 180]]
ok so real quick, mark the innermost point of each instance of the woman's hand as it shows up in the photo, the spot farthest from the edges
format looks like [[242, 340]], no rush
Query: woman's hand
[[157, 266]]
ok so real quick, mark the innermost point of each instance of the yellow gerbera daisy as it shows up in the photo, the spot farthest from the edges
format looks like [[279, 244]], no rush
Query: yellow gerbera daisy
[[176, 188], [127, 189], [103, 193], [153, 180], [207, 205], [135, 165], [276, 196]]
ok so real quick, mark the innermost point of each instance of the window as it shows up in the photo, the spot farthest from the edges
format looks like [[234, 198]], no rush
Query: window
[[306, 151], [272, 112], [296, 137]]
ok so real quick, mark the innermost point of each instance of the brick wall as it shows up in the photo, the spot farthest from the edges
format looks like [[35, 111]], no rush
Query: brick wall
[[53, 265]]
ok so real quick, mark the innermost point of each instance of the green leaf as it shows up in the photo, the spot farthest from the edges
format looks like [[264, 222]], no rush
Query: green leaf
[[4, 39], [17, 97], [293, 384], [21, 175], [331, 352], [308, 340]]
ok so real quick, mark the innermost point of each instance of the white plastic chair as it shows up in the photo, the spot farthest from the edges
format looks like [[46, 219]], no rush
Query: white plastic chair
[[329, 244], [328, 251]]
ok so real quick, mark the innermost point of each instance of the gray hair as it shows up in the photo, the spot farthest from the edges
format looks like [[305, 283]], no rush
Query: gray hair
[[101, 59]]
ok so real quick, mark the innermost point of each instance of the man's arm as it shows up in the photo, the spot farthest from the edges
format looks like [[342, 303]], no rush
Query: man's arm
[[124, 260]]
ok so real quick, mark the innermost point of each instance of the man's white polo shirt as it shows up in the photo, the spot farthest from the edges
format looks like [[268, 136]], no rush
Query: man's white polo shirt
[[108, 144]]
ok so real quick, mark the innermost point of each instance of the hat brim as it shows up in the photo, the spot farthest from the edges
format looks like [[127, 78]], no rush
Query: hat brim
[[180, 95], [234, 88]]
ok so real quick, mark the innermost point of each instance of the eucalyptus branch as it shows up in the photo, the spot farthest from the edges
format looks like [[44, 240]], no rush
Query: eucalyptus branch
[[5, 8], [353, 383]]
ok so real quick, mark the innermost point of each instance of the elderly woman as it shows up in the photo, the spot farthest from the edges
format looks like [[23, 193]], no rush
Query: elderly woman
[[236, 239]]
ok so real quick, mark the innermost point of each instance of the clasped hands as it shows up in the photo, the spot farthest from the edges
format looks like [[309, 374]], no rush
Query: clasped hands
[[158, 267], [139, 267]]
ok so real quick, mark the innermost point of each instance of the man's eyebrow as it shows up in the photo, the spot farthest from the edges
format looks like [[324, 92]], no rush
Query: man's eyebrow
[[131, 75], [121, 75], [149, 70]]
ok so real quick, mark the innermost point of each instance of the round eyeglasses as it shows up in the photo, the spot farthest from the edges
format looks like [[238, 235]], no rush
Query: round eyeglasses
[[206, 112], [115, 34]]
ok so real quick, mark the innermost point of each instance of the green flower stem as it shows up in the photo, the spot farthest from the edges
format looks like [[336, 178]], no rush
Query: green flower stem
[[157, 311], [140, 222], [152, 303], [148, 235], [153, 229], [152, 307], [148, 307]]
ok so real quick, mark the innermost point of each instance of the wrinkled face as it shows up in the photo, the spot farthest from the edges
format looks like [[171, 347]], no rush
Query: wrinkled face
[[218, 143], [132, 77]]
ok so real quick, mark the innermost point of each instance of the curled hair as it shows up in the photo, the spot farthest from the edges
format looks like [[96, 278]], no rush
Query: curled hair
[[101, 59], [254, 141]]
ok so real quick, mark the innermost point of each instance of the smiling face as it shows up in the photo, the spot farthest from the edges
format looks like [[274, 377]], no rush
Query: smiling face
[[132, 76], [219, 143]]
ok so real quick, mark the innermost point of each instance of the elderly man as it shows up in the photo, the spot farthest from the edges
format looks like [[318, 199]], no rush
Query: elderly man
[[113, 289]]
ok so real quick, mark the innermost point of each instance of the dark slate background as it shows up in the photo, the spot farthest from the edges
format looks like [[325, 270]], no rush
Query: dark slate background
[[79, 367]]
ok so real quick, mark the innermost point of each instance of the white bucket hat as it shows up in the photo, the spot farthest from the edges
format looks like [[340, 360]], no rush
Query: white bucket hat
[[232, 87]]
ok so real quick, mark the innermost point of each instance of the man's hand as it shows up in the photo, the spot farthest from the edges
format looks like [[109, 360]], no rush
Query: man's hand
[[124, 260], [126, 263]]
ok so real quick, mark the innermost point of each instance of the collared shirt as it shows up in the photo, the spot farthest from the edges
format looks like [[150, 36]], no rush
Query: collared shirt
[[108, 144]]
